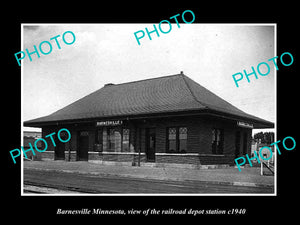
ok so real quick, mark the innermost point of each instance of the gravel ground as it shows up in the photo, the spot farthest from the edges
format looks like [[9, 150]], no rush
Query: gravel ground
[[247, 177]]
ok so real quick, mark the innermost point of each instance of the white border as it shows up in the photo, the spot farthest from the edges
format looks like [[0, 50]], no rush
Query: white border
[[152, 194], [22, 130]]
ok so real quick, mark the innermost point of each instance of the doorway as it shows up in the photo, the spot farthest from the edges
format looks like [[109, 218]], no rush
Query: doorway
[[59, 153], [245, 143], [83, 146], [150, 144], [237, 144]]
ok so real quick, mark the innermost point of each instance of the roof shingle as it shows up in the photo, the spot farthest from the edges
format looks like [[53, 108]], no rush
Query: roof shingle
[[173, 93]]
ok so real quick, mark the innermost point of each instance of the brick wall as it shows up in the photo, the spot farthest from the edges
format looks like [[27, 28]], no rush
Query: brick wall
[[47, 155], [178, 158], [215, 160], [199, 140]]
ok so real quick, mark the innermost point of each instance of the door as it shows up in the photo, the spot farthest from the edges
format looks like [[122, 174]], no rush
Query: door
[[60, 147], [83, 146], [59, 153], [237, 143], [245, 143], [150, 144]]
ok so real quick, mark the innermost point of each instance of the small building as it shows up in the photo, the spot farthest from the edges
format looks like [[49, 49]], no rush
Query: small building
[[32, 134], [170, 119], [29, 137]]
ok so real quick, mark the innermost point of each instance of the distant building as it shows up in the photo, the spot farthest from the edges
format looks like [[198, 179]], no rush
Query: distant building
[[256, 146], [169, 119], [34, 134], [30, 137]]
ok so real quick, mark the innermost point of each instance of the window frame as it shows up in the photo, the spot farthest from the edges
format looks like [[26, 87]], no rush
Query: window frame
[[177, 139], [122, 139], [108, 141], [214, 138]]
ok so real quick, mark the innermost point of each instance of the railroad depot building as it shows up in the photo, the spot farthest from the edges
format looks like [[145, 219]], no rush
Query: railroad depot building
[[170, 119]]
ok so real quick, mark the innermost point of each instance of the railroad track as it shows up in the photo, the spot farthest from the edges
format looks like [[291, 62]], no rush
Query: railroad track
[[30, 187]]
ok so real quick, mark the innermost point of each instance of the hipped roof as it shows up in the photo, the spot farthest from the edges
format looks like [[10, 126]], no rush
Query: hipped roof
[[169, 94]]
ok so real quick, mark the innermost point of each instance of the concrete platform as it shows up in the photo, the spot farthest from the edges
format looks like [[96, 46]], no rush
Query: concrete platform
[[227, 175]]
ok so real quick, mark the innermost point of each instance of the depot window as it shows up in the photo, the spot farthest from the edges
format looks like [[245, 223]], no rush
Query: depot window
[[177, 139], [217, 141], [114, 139]]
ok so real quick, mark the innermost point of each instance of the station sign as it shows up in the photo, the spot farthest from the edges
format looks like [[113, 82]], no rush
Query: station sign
[[109, 123], [245, 125]]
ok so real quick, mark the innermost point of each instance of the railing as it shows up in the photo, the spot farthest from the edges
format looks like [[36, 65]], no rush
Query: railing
[[268, 165]]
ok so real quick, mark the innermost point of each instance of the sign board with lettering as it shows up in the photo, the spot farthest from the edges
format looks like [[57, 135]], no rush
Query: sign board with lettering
[[109, 123], [245, 125]]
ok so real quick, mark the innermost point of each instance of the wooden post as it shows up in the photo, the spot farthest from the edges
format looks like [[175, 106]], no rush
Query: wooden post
[[139, 158], [69, 154]]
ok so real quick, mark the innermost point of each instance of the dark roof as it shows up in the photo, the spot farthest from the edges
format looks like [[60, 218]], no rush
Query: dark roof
[[168, 94]]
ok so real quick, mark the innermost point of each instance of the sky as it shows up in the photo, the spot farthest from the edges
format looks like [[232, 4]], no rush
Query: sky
[[109, 53]]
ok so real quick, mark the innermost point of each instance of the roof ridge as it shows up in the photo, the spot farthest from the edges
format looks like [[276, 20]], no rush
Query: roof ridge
[[136, 81], [190, 89], [208, 105]]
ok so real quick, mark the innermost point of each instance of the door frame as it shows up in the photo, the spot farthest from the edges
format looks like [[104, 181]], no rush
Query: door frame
[[59, 151], [237, 145], [78, 151], [150, 154]]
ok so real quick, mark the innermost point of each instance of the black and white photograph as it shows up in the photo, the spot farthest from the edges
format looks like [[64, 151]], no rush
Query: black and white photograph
[[129, 109], [149, 112]]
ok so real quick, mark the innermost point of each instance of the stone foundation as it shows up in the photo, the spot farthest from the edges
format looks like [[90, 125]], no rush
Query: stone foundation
[[133, 158]]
